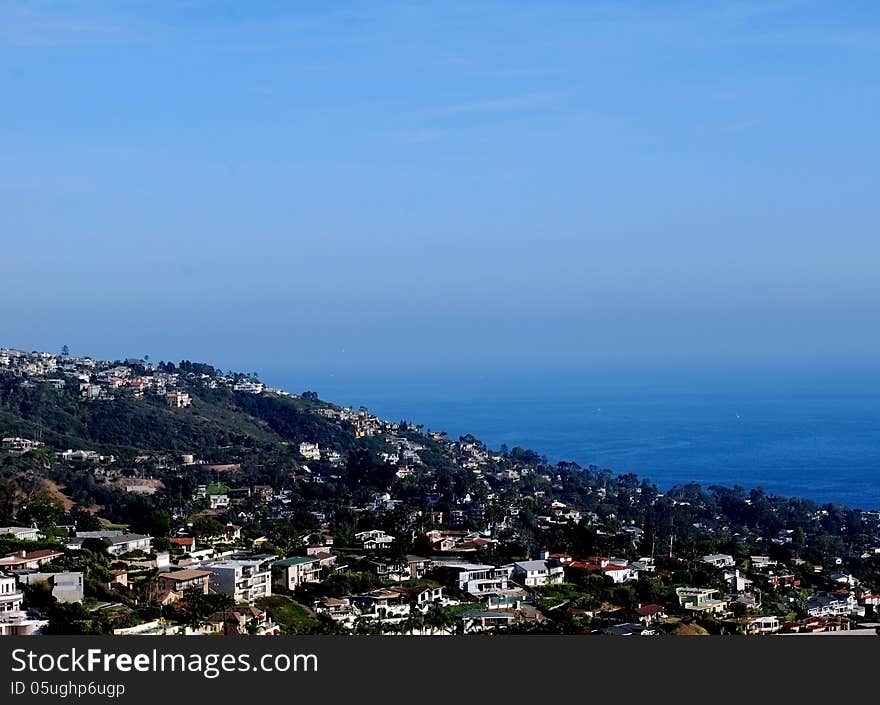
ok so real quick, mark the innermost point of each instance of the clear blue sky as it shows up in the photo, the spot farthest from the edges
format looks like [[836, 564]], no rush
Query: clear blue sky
[[369, 186]]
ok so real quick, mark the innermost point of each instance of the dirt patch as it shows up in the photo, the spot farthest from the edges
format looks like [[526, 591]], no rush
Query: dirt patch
[[56, 493]]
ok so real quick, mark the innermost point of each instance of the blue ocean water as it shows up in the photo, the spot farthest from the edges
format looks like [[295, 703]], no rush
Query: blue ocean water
[[798, 441]]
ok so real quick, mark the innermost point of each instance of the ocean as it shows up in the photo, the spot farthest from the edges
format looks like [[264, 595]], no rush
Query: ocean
[[805, 440]]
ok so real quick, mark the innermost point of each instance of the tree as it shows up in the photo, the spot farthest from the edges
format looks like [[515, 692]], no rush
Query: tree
[[65, 350], [207, 527]]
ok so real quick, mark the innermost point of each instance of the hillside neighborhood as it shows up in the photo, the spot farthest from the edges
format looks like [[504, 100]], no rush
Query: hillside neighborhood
[[175, 498]]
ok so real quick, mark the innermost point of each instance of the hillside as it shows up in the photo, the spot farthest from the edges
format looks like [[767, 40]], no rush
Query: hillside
[[125, 425]]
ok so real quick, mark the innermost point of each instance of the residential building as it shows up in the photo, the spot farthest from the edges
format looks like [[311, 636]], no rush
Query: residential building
[[417, 567], [10, 596], [484, 620], [243, 579], [540, 572], [719, 560], [13, 620], [290, 573], [421, 596], [700, 600], [15, 444], [480, 580], [764, 625], [179, 581], [67, 586], [374, 540], [761, 562], [834, 604], [28, 560], [177, 399], [218, 501], [615, 568], [125, 543], [310, 451], [736, 581], [21, 533], [242, 620], [382, 604]]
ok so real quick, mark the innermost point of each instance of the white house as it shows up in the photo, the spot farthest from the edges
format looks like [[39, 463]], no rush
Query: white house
[[310, 451], [480, 580], [13, 620], [177, 399], [764, 625], [117, 545], [834, 605], [374, 540], [20, 533], [719, 560], [541, 572]]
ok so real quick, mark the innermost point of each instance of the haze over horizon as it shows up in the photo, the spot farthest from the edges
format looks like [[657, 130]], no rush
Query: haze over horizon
[[480, 186]]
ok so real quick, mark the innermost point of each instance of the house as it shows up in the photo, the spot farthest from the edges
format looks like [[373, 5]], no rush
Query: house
[[21, 533], [382, 604], [249, 387], [484, 620], [540, 572], [719, 560], [761, 562], [242, 620], [243, 579], [218, 501], [417, 567], [646, 614], [177, 399], [338, 609], [480, 580], [736, 581], [616, 569], [125, 543], [700, 600], [815, 625], [764, 625], [310, 451], [67, 586], [28, 560], [322, 553], [187, 544], [13, 620], [834, 604], [15, 444], [290, 573], [421, 596], [387, 569], [179, 581], [374, 540], [627, 629]]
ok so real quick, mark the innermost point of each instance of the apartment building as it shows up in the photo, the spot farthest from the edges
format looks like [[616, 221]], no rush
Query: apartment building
[[243, 579]]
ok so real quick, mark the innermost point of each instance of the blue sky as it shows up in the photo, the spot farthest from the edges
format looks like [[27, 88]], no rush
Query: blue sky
[[358, 188]]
